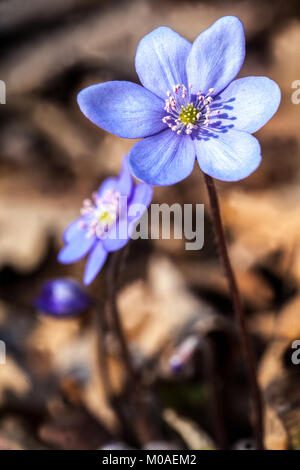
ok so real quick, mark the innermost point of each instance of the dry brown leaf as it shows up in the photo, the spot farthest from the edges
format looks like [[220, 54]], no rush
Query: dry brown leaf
[[78, 360], [13, 379], [194, 437], [263, 324], [76, 430], [15, 433], [254, 289], [155, 312], [51, 335], [24, 236], [280, 381], [272, 224], [103, 34], [286, 328], [276, 437]]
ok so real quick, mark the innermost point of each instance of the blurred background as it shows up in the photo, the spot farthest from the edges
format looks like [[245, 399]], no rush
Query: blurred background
[[51, 158]]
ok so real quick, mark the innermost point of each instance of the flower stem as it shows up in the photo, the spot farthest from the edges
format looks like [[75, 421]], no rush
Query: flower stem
[[144, 431], [101, 325], [239, 313], [114, 314], [102, 357], [211, 366]]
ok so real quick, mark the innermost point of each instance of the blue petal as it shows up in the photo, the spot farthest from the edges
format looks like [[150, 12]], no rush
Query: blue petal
[[250, 102], [141, 199], [108, 183], [118, 236], [228, 157], [160, 60], [123, 108], [125, 181], [72, 230], [78, 247], [94, 263], [143, 193], [121, 232], [163, 159], [217, 55]]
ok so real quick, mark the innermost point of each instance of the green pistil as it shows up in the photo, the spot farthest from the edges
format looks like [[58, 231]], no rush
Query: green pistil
[[188, 114]]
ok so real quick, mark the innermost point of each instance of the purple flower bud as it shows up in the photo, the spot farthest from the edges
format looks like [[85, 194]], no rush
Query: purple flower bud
[[62, 298], [183, 354]]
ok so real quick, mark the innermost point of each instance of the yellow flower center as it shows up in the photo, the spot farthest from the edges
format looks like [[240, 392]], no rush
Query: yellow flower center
[[107, 218], [100, 213], [188, 114]]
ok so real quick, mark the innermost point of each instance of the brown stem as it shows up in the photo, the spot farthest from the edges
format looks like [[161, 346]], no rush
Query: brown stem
[[216, 392], [100, 321], [102, 357], [145, 431], [112, 287], [238, 309]]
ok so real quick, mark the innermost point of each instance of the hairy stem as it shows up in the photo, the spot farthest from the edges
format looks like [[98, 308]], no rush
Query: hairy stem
[[239, 313]]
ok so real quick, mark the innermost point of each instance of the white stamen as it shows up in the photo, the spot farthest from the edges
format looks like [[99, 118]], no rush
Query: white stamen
[[100, 214], [194, 113]]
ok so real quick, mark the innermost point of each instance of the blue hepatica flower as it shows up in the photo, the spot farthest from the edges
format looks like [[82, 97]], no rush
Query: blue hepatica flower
[[62, 298], [188, 107], [106, 222]]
